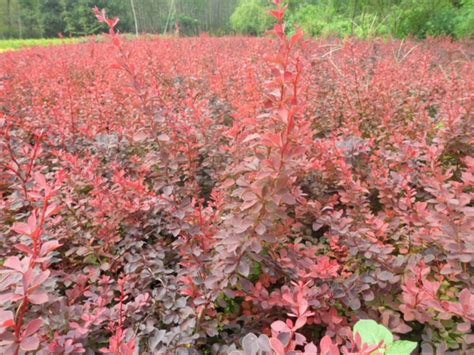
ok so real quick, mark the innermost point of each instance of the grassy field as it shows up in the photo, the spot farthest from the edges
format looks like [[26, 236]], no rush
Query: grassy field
[[13, 44]]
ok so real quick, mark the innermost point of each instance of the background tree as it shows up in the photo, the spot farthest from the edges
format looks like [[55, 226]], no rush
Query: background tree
[[52, 21], [79, 19], [251, 17], [30, 15], [134, 12], [363, 18]]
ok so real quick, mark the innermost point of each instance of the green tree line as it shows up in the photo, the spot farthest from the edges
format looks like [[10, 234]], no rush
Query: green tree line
[[363, 18], [48, 18]]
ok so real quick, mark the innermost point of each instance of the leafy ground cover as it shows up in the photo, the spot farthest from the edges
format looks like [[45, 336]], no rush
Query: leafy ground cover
[[237, 195]]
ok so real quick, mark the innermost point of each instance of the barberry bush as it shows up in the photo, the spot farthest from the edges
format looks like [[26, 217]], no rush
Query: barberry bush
[[179, 196]]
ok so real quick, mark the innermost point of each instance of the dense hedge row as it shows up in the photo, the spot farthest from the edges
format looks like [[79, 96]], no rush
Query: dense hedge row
[[172, 195]]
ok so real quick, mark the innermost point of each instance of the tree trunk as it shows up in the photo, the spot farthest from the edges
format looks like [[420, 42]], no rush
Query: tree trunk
[[172, 7], [132, 4], [353, 17], [9, 19]]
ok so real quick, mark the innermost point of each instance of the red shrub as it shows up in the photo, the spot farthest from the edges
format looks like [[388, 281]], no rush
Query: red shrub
[[171, 195]]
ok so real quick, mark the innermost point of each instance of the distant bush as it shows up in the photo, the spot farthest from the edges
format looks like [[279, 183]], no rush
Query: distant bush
[[420, 18], [189, 26], [464, 25], [424, 18], [251, 18], [318, 20]]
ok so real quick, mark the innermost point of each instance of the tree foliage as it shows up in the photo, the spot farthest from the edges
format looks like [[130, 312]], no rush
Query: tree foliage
[[37, 18], [398, 18], [251, 17], [362, 18], [79, 19]]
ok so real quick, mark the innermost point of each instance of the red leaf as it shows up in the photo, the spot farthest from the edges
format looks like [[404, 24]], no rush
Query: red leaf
[[140, 136], [280, 326], [24, 248], [277, 14], [327, 346], [466, 299], [163, 137], [99, 14], [116, 41], [41, 278], [52, 210], [33, 327], [30, 343], [9, 323], [464, 327], [112, 22], [10, 297], [6, 317], [41, 180], [13, 262], [283, 114], [310, 349], [297, 36], [303, 306], [251, 137], [300, 322], [277, 346], [38, 298], [22, 228], [48, 247]]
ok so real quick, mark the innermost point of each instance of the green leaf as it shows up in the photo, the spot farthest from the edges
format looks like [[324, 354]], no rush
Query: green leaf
[[91, 259], [440, 125], [401, 347], [373, 333]]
